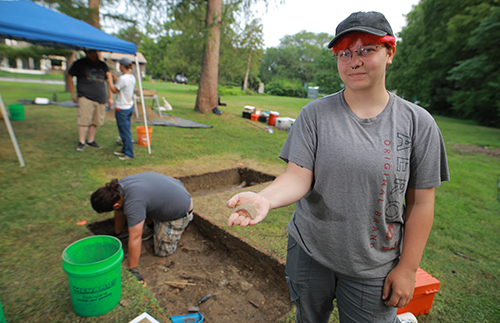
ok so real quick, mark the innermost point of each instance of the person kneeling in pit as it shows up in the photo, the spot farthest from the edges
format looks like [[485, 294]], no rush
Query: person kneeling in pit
[[152, 204]]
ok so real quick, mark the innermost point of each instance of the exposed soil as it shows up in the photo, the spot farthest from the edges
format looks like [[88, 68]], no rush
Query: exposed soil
[[223, 181], [479, 150], [246, 282]]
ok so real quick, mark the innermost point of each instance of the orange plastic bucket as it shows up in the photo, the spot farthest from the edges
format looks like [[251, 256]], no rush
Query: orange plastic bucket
[[254, 116], [142, 139], [272, 118]]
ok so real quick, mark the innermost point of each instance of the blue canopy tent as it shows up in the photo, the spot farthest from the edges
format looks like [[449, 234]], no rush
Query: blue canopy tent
[[30, 22]]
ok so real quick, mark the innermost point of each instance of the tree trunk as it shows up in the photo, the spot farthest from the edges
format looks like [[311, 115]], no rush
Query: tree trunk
[[207, 98], [94, 16], [69, 61], [245, 82], [94, 21]]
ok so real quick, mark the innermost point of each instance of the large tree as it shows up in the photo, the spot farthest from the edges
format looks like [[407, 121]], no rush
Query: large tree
[[180, 46], [88, 12], [439, 51], [301, 58], [476, 81], [157, 10], [252, 44], [131, 34], [326, 74], [78, 10], [207, 98]]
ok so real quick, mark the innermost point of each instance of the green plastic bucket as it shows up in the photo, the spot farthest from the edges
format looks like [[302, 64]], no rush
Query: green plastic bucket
[[16, 112], [2, 316], [93, 266]]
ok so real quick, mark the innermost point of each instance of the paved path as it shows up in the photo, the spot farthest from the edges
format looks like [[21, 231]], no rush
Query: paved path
[[30, 80]]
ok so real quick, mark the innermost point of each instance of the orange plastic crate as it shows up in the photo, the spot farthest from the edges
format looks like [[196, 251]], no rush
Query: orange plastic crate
[[426, 287]]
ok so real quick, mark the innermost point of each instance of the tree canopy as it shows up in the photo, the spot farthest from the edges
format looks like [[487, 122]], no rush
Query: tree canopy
[[300, 59], [447, 58], [179, 47]]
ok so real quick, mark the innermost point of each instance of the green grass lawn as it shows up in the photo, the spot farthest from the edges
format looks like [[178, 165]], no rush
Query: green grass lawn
[[41, 203], [47, 76]]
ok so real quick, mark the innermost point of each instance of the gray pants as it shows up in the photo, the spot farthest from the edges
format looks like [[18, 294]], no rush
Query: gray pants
[[313, 288]]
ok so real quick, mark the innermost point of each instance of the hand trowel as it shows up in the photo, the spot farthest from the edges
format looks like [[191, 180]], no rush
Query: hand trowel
[[197, 308]]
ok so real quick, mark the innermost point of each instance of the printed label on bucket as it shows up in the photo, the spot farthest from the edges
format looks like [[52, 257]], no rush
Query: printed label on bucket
[[85, 290], [95, 293]]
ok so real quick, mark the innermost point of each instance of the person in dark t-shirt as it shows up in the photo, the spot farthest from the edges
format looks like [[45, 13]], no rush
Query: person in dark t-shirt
[[91, 96]]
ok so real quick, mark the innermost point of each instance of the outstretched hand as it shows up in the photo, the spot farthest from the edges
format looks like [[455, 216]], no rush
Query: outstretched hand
[[243, 217]]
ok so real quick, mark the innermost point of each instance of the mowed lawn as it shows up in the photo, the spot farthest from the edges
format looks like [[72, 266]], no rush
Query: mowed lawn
[[41, 203]]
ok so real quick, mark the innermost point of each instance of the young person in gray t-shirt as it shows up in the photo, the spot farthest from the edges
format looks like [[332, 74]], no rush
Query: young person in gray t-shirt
[[146, 198], [362, 167]]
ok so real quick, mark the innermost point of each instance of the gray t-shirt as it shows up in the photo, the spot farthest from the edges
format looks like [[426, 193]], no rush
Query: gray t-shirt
[[91, 79], [158, 196], [352, 219]]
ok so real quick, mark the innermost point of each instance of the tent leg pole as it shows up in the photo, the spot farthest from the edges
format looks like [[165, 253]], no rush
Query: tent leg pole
[[158, 104], [135, 107], [142, 101], [11, 132]]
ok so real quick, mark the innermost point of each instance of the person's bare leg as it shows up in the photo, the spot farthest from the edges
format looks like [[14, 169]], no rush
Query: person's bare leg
[[91, 133], [82, 133]]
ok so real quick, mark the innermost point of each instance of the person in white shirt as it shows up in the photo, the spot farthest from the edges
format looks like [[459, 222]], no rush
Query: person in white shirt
[[124, 88]]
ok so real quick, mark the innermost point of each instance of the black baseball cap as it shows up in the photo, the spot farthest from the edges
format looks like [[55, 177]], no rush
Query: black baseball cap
[[371, 22]]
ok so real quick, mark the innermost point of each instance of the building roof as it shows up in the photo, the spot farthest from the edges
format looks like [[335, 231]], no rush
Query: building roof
[[118, 56]]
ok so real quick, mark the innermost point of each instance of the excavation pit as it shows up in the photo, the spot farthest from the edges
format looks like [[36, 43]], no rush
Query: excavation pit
[[224, 180], [247, 282]]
